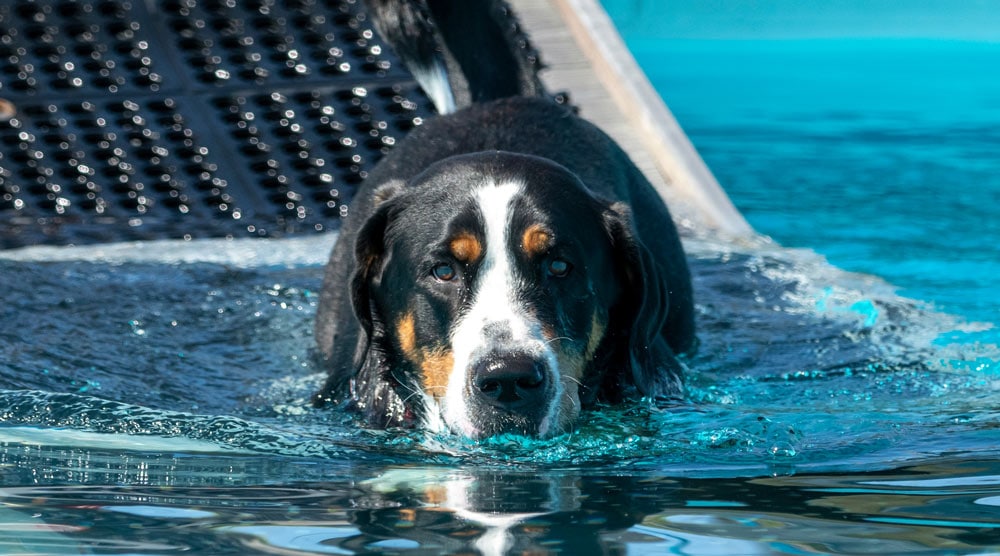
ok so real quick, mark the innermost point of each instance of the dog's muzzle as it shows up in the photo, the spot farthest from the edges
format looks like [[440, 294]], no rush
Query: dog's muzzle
[[508, 393], [513, 383]]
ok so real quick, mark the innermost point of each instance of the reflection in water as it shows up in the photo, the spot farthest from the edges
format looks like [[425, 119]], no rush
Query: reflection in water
[[500, 512], [216, 504]]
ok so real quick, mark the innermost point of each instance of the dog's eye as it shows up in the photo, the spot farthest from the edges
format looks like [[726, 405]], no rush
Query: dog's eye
[[444, 272], [558, 268]]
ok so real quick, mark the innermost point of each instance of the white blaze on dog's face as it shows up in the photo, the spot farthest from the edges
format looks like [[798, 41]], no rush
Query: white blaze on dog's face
[[501, 352], [497, 292]]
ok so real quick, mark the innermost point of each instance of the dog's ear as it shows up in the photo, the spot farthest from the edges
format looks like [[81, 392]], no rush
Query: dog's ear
[[372, 383], [351, 352], [642, 355], [370, 252]]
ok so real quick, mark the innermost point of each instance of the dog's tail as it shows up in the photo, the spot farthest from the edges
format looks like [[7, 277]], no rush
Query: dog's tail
[[459, 51]]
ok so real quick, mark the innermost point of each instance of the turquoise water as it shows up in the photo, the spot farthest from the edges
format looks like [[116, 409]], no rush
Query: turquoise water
[[153, 396], [883, 155]]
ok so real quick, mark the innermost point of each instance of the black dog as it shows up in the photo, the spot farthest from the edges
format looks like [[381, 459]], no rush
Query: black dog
[[505, 265]]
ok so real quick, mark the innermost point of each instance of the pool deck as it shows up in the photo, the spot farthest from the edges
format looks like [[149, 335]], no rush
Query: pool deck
[[585, 56]]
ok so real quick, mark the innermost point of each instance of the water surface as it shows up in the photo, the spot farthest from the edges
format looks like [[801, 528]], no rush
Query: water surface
[[155, 398]]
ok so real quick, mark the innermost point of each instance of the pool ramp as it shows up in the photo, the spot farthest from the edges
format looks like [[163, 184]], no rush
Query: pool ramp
[[585, 55]]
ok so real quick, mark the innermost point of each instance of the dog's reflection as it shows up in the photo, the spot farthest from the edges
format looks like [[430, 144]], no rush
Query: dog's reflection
[[496, 513]]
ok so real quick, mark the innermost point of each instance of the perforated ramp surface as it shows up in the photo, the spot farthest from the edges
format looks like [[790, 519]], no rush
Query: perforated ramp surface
[[190, 118]]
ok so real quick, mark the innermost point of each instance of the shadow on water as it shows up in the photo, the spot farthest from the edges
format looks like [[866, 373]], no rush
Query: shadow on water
[[153, 403]]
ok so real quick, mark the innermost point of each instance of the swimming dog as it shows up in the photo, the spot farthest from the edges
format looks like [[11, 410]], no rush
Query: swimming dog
[[506, 265]]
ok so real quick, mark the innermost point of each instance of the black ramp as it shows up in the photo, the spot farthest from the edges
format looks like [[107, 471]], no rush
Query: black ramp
[[190, 118]]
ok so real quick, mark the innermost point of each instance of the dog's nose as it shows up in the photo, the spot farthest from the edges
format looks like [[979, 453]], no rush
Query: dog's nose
[[512, 383]]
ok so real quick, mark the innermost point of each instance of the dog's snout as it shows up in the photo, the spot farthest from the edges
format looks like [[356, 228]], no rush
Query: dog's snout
[[512, 383], [498, 332]]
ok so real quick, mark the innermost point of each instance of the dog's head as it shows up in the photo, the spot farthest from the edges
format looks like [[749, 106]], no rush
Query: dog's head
[[499, 295]]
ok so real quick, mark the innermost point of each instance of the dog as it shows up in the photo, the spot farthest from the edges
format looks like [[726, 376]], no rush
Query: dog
[[506, 265]]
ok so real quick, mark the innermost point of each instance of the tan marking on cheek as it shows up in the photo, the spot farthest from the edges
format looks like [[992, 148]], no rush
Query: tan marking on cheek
[[597, 329], [569, 406], [434, 363], [436, 369], [406, 333], [466, 247], [572, 365], [536, 240]]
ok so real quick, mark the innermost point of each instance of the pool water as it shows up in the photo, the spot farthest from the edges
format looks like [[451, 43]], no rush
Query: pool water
[[154, 396], [154, 399], [881, 154]]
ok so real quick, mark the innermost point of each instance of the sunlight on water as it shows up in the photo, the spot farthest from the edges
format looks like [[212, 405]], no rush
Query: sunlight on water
[[145, 442]]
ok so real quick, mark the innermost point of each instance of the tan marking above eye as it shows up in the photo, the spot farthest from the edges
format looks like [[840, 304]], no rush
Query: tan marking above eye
[[465, 247], [536, 240]]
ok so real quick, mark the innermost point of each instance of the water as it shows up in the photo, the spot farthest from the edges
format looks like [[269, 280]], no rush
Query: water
[[883, 155], [154, 397]]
